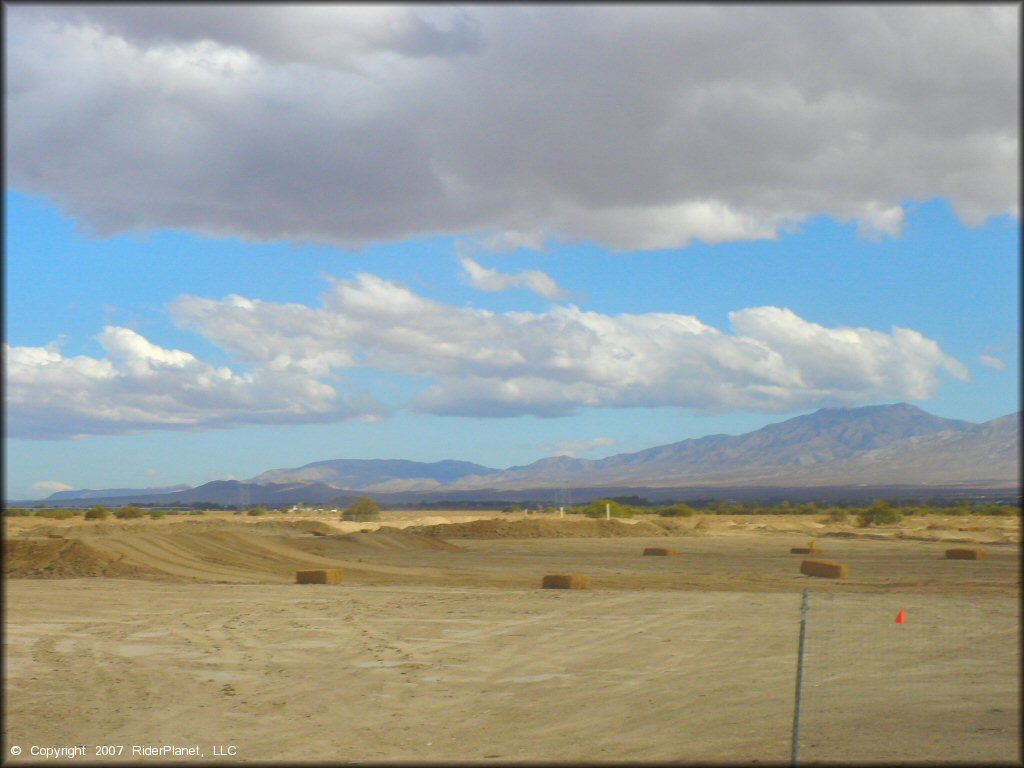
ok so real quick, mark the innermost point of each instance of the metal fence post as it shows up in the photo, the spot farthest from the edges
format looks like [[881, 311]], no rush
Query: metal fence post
[[799, 677]]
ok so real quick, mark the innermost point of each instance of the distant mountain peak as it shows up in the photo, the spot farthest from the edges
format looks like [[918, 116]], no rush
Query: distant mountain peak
[[354, 474], [863, 410], [889, 444], [818, 439]]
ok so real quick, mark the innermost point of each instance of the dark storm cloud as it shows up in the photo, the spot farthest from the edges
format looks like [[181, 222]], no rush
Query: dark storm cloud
[[637, 127]]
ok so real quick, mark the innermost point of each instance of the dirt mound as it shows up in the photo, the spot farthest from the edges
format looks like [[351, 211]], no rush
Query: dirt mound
[[541, 528], [678, 526], [383, 540], [316, 527], [212, 552], [397, 539], [52, 558], [200, 555]]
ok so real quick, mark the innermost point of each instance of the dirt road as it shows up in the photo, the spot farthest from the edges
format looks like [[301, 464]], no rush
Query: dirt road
[[445, 649]]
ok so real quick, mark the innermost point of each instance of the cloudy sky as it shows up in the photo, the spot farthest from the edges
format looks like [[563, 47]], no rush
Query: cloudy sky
[[245, 237]]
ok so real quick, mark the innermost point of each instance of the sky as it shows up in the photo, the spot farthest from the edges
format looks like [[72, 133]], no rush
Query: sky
[[247, 237]]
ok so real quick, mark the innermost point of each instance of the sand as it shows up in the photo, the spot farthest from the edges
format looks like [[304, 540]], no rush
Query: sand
[[190, 632]]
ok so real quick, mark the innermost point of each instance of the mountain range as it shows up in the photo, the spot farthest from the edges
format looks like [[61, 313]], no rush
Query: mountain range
[[884, 446]]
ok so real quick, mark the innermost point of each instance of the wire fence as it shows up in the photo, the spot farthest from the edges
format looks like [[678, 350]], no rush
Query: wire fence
[[909, 678]]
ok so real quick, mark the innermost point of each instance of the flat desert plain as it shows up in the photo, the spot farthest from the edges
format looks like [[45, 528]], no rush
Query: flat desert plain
[[440, 646]]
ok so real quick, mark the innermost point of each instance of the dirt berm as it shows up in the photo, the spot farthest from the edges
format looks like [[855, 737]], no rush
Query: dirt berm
[[554, 529], [209, 553]]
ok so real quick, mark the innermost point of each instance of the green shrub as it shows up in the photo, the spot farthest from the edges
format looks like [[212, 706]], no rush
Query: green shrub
[[256, 512], [838, 515], [57, 514], [97, 513], [600, 507], [362, 509], [513, 509], [1001, 510], [156, 514], [729, 508], [17, 512], [879, 513], [676, 510], [129, 513]]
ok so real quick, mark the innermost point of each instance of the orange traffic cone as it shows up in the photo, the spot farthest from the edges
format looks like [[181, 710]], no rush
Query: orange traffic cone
[[900, 618]]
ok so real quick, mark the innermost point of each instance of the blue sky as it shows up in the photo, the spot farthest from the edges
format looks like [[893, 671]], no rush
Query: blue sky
[[251, 254]]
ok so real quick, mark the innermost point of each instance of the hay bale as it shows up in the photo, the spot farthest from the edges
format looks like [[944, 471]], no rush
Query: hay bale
[[661, 551], [965, 553], [318, 576], [566, 581], [825, 569], [805, 551]]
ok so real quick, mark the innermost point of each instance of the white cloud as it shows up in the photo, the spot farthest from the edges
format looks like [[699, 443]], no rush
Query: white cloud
[[503, 242], [574, 448], [640, 127], [666, 226], [52, 486], [464, 361], [874, 221], [902, 361], [480, 363], [990, 361], [484, 279], [140, 386]]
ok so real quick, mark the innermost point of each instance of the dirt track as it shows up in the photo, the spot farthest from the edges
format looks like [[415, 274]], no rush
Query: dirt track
[[444, 648], [715, 553]]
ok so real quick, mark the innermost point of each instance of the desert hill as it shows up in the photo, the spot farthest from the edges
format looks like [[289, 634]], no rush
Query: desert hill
[[889, 446]]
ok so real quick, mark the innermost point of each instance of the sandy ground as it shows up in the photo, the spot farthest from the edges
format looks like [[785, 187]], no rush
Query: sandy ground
[[189, 632]]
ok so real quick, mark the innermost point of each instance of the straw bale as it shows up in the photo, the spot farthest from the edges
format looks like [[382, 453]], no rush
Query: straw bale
[[566, 581], [664, 551], [965, 553], [318, 576], [826, 569]]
